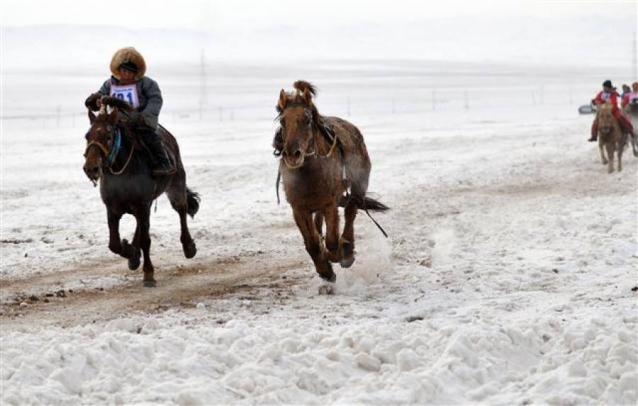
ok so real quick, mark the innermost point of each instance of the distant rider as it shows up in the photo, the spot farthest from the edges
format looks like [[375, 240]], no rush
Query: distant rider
[[631, 98], [609, 94]]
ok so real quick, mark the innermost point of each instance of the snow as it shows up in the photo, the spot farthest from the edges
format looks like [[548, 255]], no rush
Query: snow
[[509, 276]]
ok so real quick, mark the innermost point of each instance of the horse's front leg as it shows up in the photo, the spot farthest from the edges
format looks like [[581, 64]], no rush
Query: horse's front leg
[[610, 157], [312, 241], [121, 247], [601, 147], [331, 215], [143, 217], [621, 147], [132, 251], [113, 218]]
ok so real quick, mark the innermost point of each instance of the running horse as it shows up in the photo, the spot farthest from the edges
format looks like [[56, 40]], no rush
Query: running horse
[[610, 137], [324, 165], [115, 157]]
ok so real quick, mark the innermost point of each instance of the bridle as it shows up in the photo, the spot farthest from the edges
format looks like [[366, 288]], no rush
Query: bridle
[[109, 155], [314, 127]]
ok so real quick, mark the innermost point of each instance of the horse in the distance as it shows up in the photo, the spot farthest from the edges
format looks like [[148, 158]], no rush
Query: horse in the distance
[[324, 165], [610, 137], [123, 166], [631, 112]]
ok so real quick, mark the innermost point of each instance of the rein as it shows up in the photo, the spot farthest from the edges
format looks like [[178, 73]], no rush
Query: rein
[[110, 155], [332, 147]]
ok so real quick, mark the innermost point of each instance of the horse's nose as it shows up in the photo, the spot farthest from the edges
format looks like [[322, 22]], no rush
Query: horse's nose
[[91, 172], [297, 154]]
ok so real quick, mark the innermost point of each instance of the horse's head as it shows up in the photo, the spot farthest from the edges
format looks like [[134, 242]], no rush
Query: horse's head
[[99, 141], [606, 118], [297, 117]]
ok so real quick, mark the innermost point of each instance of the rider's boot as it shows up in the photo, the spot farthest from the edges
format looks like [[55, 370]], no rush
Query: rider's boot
[[594, 131], [164, 166]]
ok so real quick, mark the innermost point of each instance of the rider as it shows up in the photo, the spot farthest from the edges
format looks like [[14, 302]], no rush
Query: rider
[[608, 94], [143, 93], [625, 91], [631, 97]]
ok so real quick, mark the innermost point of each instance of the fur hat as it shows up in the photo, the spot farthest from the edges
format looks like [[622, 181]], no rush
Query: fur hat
[[131, 59]]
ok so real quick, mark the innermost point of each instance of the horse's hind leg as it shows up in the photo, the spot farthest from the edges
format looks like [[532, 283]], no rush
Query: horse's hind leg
[[143, 217], [347, 238], [179, 198], [621, 146]]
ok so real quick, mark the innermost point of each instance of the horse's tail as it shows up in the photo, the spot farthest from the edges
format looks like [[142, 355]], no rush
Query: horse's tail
[[365, 203], [192, 202], [372, 205]]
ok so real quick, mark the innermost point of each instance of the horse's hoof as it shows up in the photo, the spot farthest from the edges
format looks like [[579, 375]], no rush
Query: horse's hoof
[[348, 254], [190, 250], [347, 262], [326, 289], [149, 284], [134, 263]]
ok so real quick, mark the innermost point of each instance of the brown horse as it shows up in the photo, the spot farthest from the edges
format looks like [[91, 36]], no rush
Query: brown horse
[[631, 113], [610, 137], [324, 165], [127, 186]]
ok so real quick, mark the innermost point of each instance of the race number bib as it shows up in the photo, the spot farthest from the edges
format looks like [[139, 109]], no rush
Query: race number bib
[[127, 93]]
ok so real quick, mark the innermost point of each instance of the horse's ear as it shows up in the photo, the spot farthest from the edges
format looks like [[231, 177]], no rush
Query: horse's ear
[[282, 99], [91, 116], [113, 116]]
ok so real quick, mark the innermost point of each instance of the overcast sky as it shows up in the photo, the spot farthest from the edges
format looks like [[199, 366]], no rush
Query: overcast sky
[[216, 14], [576, 32]]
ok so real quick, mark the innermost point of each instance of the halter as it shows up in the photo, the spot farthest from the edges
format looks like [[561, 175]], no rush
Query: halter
[[112, 154], [315, 128]]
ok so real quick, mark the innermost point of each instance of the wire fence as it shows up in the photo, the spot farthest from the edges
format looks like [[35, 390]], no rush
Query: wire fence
[[190, 107]]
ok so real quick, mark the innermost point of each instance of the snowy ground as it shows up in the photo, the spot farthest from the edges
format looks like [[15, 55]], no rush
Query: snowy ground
[[509, 276]]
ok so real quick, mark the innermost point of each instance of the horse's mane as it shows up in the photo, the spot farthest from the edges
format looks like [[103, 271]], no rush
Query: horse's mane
[[302, 85]]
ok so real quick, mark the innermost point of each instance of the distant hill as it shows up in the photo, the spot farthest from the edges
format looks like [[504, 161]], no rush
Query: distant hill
[[593, 42]]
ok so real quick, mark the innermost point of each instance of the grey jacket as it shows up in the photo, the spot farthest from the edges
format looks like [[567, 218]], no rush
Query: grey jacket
[[150, 98]]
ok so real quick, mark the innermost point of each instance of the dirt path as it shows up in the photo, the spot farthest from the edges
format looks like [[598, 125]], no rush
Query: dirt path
[[178, 287]]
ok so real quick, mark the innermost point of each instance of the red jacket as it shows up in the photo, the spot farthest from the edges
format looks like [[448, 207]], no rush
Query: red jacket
[[612, 97], [628, 98]]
